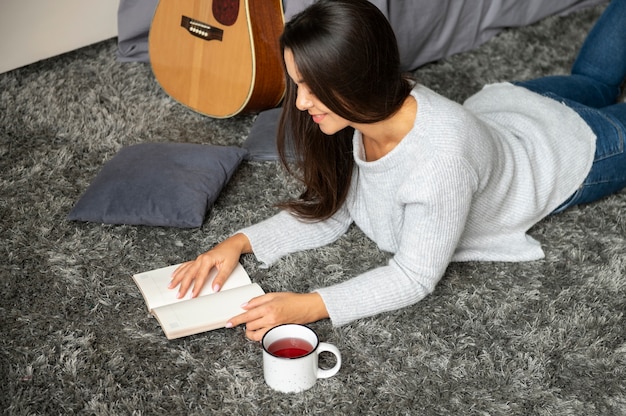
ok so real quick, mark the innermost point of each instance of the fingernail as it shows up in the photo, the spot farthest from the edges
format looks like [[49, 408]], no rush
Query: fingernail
[[216, 288], [243, 305], [229, 325]]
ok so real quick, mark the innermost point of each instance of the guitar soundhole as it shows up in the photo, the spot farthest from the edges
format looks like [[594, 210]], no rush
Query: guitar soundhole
[[226, 11]]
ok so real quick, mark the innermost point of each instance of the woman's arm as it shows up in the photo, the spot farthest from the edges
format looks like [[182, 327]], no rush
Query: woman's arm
[[267, 311], [268, 240], [434, 218]]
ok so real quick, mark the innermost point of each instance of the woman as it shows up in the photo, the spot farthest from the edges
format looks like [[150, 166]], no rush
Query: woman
[[425, 178]]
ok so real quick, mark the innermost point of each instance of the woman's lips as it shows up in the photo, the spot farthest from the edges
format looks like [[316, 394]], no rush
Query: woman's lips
[[318, 117]]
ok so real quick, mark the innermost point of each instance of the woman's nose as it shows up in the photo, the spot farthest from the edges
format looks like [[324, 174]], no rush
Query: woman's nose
[[303, 101]]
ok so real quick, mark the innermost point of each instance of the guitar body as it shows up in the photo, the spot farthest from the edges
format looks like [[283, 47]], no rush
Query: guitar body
[[219, 57]]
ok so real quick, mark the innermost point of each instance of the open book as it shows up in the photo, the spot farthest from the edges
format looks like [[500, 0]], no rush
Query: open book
[[188, 316]]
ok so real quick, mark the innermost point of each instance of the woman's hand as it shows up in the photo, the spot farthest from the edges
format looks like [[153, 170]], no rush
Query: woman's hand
[[223, 256], [266, 311]]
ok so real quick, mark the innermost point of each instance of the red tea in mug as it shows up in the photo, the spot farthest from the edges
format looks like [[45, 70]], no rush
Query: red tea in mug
[[290, 348]]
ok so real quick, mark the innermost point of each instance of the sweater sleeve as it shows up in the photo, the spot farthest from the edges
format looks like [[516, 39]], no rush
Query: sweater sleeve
[[283, 234], [434, 220]]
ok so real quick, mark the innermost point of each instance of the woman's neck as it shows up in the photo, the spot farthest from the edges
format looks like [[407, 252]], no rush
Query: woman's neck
[[382, 137]]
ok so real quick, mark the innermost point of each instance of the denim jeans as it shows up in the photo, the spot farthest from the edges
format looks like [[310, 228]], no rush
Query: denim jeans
[[592, 90]]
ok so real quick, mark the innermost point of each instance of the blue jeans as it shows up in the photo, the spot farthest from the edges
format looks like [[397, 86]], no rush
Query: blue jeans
[[592, 91]]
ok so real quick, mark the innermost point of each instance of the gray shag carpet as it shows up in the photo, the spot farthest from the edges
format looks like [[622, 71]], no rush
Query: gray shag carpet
[[538, 338]]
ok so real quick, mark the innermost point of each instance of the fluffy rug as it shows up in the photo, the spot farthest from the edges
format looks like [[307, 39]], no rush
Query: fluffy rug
[[538, 338]]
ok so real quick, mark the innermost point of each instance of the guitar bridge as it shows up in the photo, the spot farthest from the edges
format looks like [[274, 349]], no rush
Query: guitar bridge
[[201, 30]]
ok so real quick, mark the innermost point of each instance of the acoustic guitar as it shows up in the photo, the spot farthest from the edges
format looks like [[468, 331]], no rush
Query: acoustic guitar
[[219, 57]]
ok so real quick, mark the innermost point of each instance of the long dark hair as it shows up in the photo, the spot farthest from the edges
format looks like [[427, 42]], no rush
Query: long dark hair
[[347, 55]]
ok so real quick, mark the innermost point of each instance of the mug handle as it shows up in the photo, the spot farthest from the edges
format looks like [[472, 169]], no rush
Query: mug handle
[[325, 347]]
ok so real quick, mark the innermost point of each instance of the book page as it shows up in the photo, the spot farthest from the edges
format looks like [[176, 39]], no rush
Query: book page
[[204, 313], [154, 285]]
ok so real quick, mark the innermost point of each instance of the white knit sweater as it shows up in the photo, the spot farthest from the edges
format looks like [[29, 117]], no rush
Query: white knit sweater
[[466, 183]]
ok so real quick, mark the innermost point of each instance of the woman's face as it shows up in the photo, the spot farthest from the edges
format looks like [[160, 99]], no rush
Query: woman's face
[[329, 122]]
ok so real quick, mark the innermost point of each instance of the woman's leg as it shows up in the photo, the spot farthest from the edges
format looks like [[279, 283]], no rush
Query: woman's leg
[[608, 172], [600, 67], [578, 88], [592, 91], [602, 56]]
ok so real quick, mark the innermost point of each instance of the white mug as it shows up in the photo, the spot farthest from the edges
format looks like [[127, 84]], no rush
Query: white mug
[[290, 358]]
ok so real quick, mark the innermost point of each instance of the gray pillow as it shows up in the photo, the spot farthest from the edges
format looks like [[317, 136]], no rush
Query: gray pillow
[[261, 142], [158, 184]]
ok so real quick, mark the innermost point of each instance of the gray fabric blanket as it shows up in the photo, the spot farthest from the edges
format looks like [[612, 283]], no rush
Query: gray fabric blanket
[[426, 30]]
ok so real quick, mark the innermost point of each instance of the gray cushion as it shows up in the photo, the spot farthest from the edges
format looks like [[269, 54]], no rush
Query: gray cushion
[[261, 142], [158, 184]]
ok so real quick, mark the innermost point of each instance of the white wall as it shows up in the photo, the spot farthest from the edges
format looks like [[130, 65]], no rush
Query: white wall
[[31, 30]]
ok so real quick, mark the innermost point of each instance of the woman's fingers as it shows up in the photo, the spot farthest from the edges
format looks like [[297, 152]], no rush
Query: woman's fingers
[[223, 257], [194, 272]]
